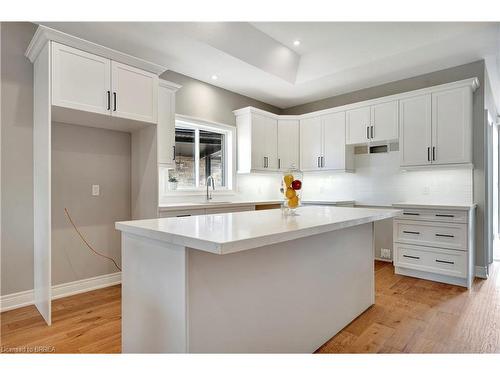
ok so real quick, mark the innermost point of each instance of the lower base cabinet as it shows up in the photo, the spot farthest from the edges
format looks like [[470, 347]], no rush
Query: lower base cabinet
[[435, 244], [216, 210]]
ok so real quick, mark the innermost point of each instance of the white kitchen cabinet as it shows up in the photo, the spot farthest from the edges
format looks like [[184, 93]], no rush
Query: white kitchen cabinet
[[436, 128], [452, 126], [336, 154], [91, 83], [135, 93], [384, 121], [311, 144], [435, 243], [80, 80], [415, 126], [358, 125], [378, 122], [166, 122], [257, 141], [288, 144], [322, 143]]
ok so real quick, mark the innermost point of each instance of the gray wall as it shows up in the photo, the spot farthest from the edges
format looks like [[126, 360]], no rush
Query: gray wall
[[474, 69], [17, 159], [202, 100], [81, 157]]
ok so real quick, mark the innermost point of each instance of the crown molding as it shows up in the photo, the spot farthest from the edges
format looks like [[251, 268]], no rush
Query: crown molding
[[169, 85], [45, 34]]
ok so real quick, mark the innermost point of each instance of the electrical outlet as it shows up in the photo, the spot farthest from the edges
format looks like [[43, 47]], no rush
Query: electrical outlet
[[385, 253], [95, 190]]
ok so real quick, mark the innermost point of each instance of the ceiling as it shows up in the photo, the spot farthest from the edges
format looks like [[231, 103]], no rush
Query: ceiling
[[259, 59]]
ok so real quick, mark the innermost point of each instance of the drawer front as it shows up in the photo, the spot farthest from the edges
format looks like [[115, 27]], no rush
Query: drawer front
[[449, 216], [182, 213], [435, 234], [422, 258]]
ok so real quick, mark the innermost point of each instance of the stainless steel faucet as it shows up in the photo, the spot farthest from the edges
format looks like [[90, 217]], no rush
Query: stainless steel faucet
[[210, 181]]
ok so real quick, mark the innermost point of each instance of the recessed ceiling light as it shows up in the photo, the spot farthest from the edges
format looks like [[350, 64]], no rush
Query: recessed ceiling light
[[214, 77], [296, 42]]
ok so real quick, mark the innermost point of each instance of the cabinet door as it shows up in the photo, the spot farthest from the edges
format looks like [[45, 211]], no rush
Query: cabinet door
[[415, 128], [135, 93], [334, 141], [166, 126], [310, 143], [452, 126], [288, 143], [357, 125], [264, 143], [80, 80], [384, 119]]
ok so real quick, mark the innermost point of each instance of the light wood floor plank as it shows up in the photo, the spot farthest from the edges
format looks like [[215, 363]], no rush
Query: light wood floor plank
[[409, 316]]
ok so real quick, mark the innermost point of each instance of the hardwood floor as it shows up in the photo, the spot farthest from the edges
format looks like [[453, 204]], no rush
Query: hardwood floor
[[409, 316], [419, 316], [84, 323]]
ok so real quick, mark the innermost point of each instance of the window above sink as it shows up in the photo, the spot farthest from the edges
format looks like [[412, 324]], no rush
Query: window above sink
[[202, 149]]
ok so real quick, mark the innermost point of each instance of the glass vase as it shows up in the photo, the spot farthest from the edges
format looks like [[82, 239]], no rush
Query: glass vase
[[291, 188]]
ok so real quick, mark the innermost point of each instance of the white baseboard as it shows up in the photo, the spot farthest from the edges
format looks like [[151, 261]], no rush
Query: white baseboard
[[383, 260], [26, 298], [481, 272]]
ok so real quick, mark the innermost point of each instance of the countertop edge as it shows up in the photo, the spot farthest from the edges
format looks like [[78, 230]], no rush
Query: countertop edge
[[455, 207]]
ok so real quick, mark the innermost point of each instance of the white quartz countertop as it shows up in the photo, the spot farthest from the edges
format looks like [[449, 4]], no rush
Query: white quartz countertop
[[435, 205], [174, 206], [231, 232]]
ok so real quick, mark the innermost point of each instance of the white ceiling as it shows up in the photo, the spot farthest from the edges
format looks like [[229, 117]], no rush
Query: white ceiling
[[259, 59]]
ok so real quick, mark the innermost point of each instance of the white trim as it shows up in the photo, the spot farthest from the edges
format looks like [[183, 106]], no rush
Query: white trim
[[383, 260], [473, 83], [172, 86], [230, 160], [26, 298], [431, 276], [44, 34], [481, 272]]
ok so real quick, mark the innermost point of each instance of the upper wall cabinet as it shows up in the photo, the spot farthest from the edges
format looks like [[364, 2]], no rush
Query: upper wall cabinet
[[415, 124], [134, 93], [91, 83], [433, 126], [436, 128], [378, 122], [288, 144], [257, 141], [80, 80], [322, 144], [166, 123]]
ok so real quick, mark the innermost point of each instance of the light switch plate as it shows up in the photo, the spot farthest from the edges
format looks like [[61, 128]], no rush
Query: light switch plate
[[95, 190]]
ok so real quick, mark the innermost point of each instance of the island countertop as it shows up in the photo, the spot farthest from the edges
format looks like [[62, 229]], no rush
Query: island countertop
[[231, 232]]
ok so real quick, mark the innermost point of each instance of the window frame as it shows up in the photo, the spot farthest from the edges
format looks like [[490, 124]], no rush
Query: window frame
[[229, 132]]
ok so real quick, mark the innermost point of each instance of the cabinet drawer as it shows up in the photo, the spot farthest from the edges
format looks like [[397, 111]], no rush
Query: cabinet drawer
[[450, 216], [435, 234], [422, 258]]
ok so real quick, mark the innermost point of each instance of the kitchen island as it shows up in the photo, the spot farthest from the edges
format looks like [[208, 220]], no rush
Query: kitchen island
[[246, 282]]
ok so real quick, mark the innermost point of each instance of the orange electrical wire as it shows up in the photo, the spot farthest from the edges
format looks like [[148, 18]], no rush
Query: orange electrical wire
[[85, 241]]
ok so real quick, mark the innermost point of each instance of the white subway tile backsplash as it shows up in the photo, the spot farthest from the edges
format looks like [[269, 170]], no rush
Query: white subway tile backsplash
[[377, 180]]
